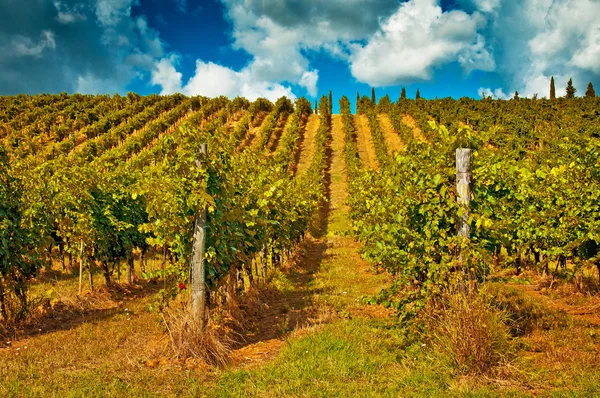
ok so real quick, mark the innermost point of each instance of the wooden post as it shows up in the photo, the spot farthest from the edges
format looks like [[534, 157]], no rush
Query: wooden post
[[263, 263], [90, 275], [198, 267], [130, 268], [463, 191], [80, 266]]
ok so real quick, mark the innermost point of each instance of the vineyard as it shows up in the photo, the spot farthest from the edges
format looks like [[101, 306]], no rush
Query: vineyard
[[321, 247]]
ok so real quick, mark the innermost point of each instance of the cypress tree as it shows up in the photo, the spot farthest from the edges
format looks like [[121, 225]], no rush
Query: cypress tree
[[316, 107], [403, 93], [330, 103], [552, 89], [373, 96], [590, 93], [570, 89], [418, 95], [516, 95], [357, 98]]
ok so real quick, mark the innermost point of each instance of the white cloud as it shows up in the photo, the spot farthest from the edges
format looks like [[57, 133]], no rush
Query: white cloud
[[588, 56], [309, 81], [67, 15], [91, 84], [416, 38], [151, 42], [559, 38], [278, 34], [165, 75], [21, 46], [213, 80], [477, 57], [111, 12], [487, 5], [496, 94]]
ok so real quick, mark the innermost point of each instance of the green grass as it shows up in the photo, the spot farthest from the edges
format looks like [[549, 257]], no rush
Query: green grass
[[368, 358], [346, 358]]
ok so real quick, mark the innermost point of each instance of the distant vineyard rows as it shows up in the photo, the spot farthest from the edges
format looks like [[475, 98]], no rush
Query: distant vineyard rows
[[101, 177]]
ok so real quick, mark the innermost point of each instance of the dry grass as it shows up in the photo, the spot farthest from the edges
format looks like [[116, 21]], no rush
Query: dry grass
[[211, 344], [471, 336], [412, 123], [364, 142], [307, 143], [391, 135]]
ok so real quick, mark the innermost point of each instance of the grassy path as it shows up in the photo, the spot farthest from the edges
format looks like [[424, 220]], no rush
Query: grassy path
[[331, 353], [343, 274], [364, 142], [307, 143], [282, 124], [392, 138], [412, 123], [252, 132]]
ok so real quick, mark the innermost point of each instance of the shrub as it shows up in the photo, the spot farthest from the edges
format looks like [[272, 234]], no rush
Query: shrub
[[470, 335]]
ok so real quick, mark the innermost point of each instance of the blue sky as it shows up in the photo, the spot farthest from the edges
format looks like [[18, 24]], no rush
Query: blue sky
[[299, 47]]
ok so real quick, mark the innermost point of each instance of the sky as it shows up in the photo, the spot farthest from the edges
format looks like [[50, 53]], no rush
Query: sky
[[271, 48]]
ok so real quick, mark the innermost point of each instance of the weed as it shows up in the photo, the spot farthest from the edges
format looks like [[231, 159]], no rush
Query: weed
[[469, 335], [212, 344]]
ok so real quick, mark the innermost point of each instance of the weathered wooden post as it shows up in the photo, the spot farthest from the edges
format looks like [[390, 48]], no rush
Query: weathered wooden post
[[198, 266], [463, 195], [130, 268], [263, 263], [80, 266]]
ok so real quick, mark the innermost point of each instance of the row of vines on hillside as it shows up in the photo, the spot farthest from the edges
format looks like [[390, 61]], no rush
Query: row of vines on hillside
[[127, 181], [535, 190]]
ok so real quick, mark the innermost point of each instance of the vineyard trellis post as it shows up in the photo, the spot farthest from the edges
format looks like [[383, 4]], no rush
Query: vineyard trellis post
[[463, 192], [80, 266], [198, 266]]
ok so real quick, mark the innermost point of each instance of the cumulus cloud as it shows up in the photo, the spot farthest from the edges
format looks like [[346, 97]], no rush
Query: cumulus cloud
[[100, 46], [484, 6], [111, 12], [476, 57], [386, 42], [403, 41], [91, 47], [309, 81], [67, 15], [90, 83], [213, 80], [542, 38], [22, 46], [496, 94], [278, 34], [416, 38], [165, 75], [588, 55]]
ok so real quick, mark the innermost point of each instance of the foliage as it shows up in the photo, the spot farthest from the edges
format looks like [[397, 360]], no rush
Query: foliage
[[18, 259], [570, 89], [590, 92], [534, 196]]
